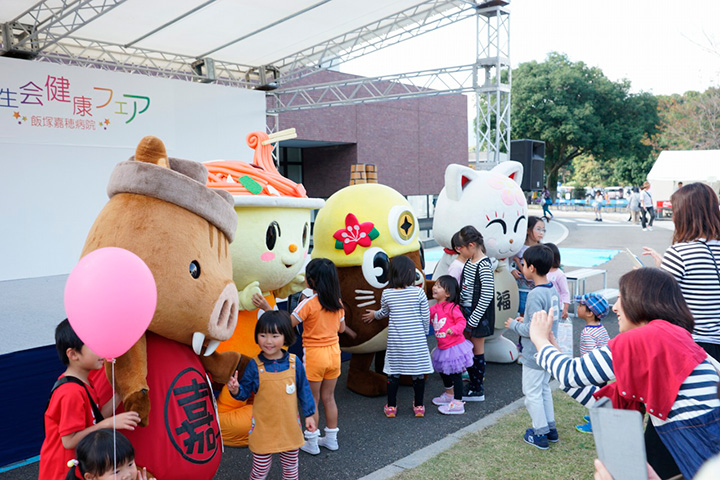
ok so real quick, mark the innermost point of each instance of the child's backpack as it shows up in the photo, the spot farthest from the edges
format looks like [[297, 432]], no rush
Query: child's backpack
[[70, 379]]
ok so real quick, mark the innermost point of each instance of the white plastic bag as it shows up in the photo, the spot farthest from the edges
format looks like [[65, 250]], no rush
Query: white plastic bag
[[564, 331]]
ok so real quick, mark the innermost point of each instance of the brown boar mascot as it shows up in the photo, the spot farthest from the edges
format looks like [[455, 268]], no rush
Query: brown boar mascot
[[161, 210]]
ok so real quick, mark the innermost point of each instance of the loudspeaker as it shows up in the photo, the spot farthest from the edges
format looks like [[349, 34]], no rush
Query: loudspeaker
[[531, 153]]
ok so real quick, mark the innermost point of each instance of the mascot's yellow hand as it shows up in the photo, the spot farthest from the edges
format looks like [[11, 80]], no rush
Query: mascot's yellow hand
[[245, 297], [296, 285]]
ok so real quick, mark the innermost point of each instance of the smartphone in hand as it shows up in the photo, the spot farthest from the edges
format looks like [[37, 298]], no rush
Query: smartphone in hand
[[637, 263], [619, 440]]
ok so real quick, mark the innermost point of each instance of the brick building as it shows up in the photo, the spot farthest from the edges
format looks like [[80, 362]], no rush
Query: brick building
[[410, 141]]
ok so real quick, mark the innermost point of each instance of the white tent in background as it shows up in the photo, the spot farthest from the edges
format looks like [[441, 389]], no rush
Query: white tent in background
[[686, 166]]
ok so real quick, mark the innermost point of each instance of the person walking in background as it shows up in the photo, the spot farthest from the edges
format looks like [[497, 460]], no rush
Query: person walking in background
[[646, 207], [634, 205], [693, 259], [597, 205], [546, 202], [409, 321]]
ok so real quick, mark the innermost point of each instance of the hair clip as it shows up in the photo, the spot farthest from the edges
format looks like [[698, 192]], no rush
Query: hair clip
[[72, 463]]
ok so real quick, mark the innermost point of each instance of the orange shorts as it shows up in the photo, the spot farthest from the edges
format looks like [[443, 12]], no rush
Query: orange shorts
[[322, 363]]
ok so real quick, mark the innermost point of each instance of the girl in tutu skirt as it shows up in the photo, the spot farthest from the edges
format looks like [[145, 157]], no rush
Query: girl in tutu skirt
[[453, 353]]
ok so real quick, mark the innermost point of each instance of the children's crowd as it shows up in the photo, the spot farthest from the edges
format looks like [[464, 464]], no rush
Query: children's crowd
[[286, 388]]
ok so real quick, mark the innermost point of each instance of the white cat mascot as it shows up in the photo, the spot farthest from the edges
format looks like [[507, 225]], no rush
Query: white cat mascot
[[494, 204]]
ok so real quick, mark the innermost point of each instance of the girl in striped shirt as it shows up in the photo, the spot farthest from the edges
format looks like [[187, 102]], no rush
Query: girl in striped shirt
[[657, 366], [409, 322], [477, 301]]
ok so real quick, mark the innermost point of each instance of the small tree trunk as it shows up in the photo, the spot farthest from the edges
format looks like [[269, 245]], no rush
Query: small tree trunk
[[552, 183]]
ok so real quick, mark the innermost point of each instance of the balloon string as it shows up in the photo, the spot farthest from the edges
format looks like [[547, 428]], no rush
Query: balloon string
[[113, 417]]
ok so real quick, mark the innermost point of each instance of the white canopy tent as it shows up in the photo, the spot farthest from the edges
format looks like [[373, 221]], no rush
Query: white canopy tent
[[246, 40], [686, 166]]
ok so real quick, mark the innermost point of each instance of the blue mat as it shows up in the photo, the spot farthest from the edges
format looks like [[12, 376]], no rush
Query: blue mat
[[586, 257]]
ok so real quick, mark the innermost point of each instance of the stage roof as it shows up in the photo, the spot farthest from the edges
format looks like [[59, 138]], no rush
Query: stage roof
[[238, 35]]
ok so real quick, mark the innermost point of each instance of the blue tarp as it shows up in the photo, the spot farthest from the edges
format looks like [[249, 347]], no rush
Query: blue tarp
[[586, 257]]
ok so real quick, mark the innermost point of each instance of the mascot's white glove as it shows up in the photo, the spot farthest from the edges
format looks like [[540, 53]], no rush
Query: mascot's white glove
[[296, 285], [245, 297]]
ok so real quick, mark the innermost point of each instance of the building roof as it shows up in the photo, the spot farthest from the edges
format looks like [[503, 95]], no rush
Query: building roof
[[686, 165]]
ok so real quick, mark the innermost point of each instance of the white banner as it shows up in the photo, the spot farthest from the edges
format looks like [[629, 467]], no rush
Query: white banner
[[63, 129]]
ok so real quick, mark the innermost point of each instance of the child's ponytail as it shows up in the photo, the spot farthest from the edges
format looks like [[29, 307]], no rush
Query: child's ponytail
[[322, 276], [73, 464]]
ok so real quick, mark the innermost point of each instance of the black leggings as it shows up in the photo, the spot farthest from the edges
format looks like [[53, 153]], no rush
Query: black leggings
[[394, 385], [454, 381]]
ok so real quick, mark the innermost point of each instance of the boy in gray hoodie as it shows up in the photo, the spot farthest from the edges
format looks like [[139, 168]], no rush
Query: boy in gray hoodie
[[537, 261]]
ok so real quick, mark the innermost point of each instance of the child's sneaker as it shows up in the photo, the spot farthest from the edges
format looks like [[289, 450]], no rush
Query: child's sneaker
[[539, 441], [470, 395], [419, 411], [586, 418], [390, 412], [585, 427], [465, 376], [553, 435], [443, 399], [452, 408]]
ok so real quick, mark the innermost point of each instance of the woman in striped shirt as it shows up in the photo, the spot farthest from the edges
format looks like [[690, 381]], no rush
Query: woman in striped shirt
[[693, 259], [656, 364]]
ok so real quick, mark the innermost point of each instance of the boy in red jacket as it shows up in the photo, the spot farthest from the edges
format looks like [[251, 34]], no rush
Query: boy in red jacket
[[72, 411]]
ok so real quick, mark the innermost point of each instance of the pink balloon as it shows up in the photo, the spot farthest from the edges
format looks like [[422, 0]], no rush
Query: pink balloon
[[110, 299]]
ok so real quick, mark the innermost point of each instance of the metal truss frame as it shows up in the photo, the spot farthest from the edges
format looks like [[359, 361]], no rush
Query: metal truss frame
[[492, 97], [423, 18], [31, 34], [42, 26], [423, 83]]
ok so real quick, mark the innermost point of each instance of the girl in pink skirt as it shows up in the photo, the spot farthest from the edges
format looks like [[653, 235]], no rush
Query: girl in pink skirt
[[453, 353]]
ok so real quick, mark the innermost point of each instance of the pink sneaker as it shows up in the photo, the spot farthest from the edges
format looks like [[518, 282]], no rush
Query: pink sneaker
[[443, 399], [453, 408], [390, 412], [419, 411]]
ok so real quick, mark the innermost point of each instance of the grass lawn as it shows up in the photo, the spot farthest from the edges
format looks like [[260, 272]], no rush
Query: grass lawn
[[499, 452]]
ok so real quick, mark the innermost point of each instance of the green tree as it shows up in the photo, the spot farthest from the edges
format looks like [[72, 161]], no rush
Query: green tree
[[576, 111], [689, 122]]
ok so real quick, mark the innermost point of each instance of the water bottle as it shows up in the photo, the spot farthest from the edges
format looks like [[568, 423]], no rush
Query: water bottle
[[554, 307], [564, 330]]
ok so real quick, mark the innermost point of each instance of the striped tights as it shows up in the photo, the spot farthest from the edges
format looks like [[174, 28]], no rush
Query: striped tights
[[263, 461]]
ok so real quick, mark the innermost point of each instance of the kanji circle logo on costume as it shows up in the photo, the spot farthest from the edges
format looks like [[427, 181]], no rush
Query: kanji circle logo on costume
[[190, 417]]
